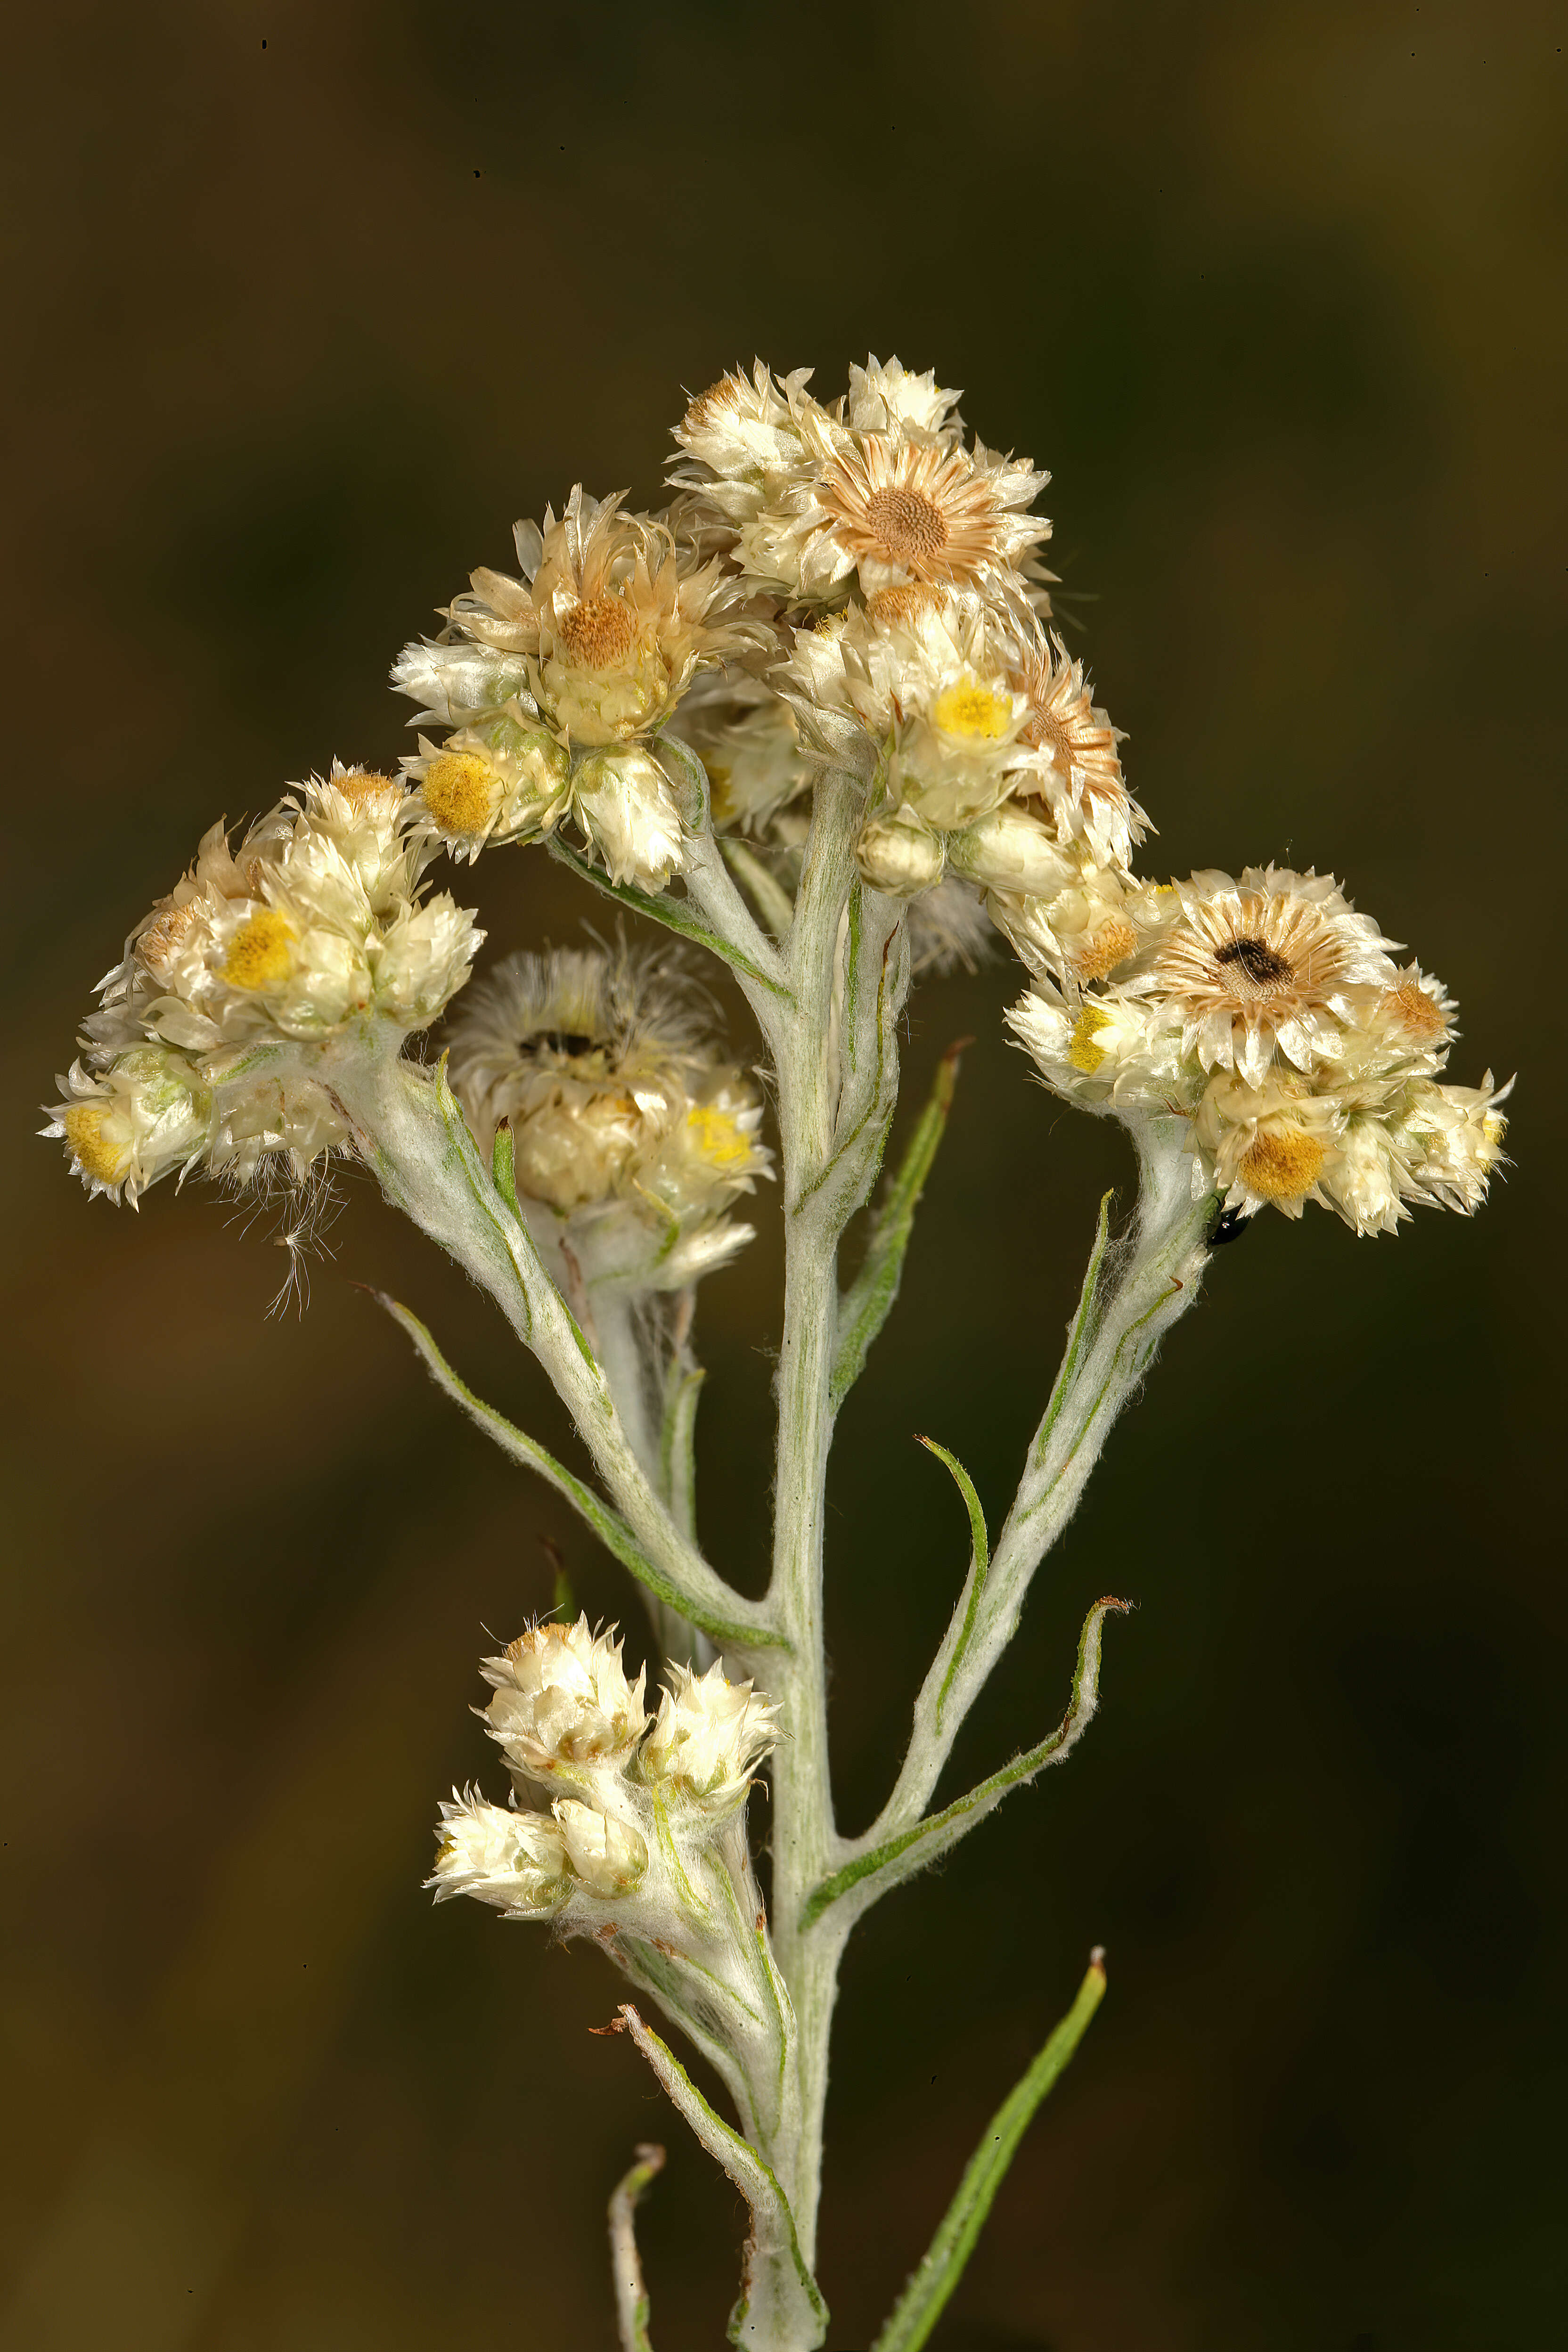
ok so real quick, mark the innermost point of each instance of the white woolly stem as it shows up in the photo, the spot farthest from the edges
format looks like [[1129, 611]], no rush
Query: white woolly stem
[[837, 1085]]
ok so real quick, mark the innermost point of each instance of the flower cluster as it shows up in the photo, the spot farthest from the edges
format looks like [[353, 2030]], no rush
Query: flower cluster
[[608, 1804], [555, 683], [208, 1046], [901, 564], [631, 1136], [1272, 1018]]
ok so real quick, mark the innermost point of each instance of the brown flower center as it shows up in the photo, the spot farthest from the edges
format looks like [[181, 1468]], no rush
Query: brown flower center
[[899, 607], [1415, 1013], [359, 785], [1104, 949], [160, 939], [911, 527], [597, 633], [1254, 968]]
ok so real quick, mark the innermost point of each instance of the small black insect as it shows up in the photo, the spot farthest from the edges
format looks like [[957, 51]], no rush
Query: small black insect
[[1229, 1226]]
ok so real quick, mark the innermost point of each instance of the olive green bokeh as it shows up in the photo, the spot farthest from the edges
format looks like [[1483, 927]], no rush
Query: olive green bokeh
[[307, 304]]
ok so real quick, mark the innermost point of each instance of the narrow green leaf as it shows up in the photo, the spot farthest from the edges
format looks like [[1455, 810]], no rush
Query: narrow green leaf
[[920, 2305], [503, 1167], [673, 913], [980, 1561], [868, 1301], [631, 2293], [899, 1857], [608, 1525]]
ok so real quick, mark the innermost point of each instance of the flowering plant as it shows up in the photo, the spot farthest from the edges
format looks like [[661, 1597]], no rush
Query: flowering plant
[[813, 719]]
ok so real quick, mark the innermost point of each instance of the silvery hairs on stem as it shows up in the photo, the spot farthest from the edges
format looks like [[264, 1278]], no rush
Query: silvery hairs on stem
[[812, 717]]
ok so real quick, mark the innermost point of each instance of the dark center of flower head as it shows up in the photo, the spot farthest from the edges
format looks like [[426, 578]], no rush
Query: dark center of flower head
[[1262, 968], [568, 1043], [906, 523]]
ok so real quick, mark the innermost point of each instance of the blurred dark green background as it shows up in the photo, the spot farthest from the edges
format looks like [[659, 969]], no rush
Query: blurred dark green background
[[306, 304]]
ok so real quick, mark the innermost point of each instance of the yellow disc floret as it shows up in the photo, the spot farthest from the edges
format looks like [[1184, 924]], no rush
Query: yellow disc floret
[[718, 1137], [460, 791], [1082, 1052], [260, 952], [104, 1156], [972, 709], [1282, 1163]]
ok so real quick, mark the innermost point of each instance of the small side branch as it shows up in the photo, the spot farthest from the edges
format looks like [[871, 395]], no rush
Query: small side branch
[[1129, 1300], [626, 2264], [887, 1862], [769, 895], [779, 2300], [921, 2306], [724, 1623]]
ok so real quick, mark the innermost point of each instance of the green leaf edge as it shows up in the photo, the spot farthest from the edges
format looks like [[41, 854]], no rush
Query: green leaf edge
[[1023, 1767], [624, 2199], [921, 2306], [980, 1562], [740, 2160]]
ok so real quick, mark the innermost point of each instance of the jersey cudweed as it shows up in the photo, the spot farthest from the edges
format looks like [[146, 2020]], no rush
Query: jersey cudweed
[[810, 717]]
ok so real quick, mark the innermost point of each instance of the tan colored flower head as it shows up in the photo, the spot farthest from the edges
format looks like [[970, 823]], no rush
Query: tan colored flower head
[[1271, 963], [612, 616]]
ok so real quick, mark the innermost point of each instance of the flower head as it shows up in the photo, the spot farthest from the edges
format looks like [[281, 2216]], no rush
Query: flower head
[[707, 1739], [562, 1701], [626, 1123], [515, 1860], [1273, 962], [1080, 770], [1267, 1016], [607, 623], [607, 1855]]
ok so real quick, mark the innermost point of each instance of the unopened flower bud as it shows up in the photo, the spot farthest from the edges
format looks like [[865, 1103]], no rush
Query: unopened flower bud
[[707, 1739], [515, 1860], [562, 1699], [901, 854], [1011, 849], [624, 804], [609, 1856]]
